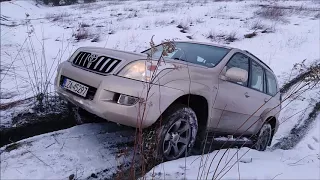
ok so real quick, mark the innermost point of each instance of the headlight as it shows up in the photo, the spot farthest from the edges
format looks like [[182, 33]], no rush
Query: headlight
[[143, 70]]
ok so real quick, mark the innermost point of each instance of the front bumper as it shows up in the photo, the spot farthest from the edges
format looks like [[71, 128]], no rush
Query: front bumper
[[103, 104]]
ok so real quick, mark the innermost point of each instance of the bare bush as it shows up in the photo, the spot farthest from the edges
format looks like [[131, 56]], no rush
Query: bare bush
[[161, 22], [257, 25], [96, 38], [82, 33], [183, 26], [190, 37], [199, 20], [250, 35], [83, 24], [274, 12], [230, 37], [226, 37], [211, 35], [132, 15], [58, 2], [129, 9]]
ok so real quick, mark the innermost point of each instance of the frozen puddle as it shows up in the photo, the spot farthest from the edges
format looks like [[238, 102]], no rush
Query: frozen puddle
[[80, 150]]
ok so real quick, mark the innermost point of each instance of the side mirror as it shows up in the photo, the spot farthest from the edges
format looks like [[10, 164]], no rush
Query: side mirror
[[236, 75]]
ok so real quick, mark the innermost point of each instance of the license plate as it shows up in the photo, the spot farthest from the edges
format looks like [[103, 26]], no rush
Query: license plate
[[75, 87]]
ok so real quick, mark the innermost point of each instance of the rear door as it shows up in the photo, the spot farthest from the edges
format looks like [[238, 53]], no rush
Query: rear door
[[258, 100]]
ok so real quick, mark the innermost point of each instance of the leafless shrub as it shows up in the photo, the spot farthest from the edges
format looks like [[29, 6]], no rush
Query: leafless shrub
[[211, 35], [183, 26], [279, 10], [161, 10], [274, 12], [270, 28], [147, 6], [132, 15], [56, 17], [129, 9], [88, 6], [167, 7], [228, 37], [199, 20], [257, 25], [161, 22], [250, 35], [190, 37], [83, 25], [111, 31], [96, 38], [82, 33]]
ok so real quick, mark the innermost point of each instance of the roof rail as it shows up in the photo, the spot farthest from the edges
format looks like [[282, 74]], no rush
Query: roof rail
[[258, 60]]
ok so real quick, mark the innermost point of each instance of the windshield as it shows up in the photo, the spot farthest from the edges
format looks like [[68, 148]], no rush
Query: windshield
[[201, 54]]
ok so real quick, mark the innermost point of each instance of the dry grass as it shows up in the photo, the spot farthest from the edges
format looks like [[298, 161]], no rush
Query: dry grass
[[57, 17]]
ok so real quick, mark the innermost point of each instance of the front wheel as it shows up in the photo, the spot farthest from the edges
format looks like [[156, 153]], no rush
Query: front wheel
[[263, 137], [175, 133]]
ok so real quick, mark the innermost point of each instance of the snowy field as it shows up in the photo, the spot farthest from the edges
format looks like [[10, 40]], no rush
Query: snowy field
[[35, 38]]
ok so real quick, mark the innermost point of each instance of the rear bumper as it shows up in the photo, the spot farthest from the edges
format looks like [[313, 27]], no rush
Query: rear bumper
[[103, 103]]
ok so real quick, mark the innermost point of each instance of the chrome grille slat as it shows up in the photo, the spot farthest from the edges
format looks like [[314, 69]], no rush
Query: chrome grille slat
[[111, 65], [79, 56], [104, 64], [96, 63], [100, 59]]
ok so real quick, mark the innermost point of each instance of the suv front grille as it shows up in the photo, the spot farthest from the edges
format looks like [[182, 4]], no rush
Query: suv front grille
[[96, 63]]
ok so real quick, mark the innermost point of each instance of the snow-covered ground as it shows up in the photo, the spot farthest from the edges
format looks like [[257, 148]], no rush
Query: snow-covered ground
[[81, 150], [35, 38], [302, 162]]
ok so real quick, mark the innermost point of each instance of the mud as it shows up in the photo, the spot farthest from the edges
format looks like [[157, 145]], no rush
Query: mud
[[36, 125]]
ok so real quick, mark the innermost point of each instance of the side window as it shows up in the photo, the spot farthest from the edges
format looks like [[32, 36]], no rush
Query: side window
[[240, 61], [271, 84], [256, 76]]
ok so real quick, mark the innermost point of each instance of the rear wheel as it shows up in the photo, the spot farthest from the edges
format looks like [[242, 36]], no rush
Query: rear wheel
[[263, 138], [173, 136]]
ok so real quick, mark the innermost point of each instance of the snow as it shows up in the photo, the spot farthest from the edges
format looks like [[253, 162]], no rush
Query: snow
[[81, 150], [302, 162], [43, 37]]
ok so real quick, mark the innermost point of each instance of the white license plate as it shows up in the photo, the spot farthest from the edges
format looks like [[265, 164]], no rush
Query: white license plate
[[75, 87]]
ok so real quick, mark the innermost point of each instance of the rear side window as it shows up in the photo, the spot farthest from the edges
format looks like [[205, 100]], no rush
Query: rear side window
[[240, 61], [271, 84], [257, 74]]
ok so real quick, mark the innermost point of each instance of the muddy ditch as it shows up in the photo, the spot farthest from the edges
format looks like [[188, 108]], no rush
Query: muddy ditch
[[34, 121]]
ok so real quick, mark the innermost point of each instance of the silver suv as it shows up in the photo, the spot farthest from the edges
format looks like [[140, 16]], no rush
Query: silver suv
[[199, 90]]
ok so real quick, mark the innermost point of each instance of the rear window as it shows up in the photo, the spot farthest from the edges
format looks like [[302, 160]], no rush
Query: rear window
[[271, 84]]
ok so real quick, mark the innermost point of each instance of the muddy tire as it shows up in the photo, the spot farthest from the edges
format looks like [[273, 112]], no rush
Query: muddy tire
[[263, 138], [171, 137]]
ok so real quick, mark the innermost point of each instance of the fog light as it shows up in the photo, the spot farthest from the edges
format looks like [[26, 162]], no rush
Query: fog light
[[127, 100]]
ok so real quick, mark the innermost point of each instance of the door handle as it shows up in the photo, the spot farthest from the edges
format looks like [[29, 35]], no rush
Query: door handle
[[246, 95]]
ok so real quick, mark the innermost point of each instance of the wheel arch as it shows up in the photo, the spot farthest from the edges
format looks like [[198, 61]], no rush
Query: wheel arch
[[199, 104]]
